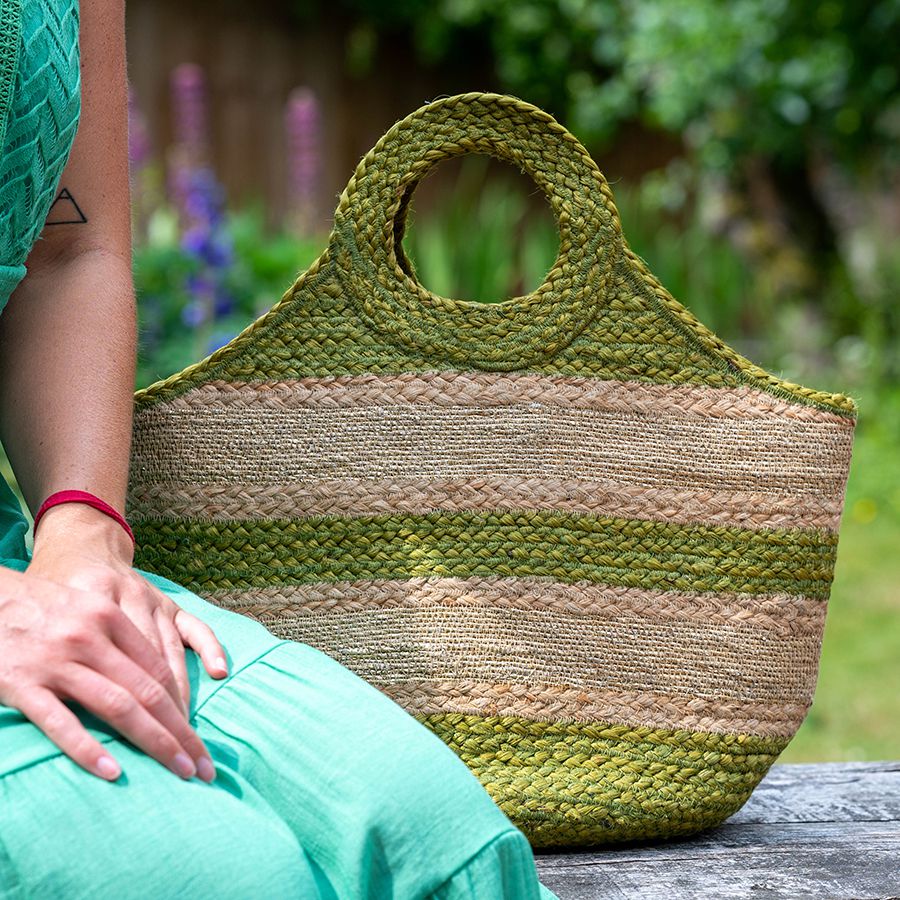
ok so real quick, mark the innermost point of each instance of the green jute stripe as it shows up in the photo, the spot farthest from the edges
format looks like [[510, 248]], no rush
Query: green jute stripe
[[580, 783], [566, 547]]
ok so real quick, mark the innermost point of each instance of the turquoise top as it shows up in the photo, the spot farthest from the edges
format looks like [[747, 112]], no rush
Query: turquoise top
[[40, 106]]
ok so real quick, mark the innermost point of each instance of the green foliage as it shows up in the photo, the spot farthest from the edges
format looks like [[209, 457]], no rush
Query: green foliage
[[769, 77], [482, 241], [264, 267]]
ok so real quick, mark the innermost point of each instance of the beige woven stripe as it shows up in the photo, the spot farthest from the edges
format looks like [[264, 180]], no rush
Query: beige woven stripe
[[267, 436], [781, 614], [490, 389], [361, 497], [554, 703], [628, 653]]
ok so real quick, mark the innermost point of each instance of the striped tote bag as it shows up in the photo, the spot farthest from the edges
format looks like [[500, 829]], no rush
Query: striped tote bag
[[573, 533]]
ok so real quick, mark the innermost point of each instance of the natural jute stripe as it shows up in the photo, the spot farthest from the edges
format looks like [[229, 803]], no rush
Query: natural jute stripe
[[264, 443], [362, 497], [631, 653], [782, 614], [486, 389], [543, 702], [567, 547]]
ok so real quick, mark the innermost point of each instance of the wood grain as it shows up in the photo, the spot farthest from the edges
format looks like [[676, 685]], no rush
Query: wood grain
[[829, 830]]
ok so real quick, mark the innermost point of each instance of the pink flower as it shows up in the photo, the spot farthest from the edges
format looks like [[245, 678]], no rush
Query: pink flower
[[303, 136]]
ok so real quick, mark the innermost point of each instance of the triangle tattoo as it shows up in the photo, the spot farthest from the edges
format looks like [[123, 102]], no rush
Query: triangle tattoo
[[65, 211]]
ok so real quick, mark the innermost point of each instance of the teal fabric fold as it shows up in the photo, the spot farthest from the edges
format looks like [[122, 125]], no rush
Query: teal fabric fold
[[326, 789], [13, 525], [10, 276], [10, 28]]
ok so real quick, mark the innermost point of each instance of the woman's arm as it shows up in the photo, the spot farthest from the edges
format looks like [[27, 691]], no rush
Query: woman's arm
[[68, 335], [67, 358]]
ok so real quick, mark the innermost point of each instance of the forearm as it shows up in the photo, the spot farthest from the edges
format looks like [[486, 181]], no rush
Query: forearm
[[67, 335], [67, 359]]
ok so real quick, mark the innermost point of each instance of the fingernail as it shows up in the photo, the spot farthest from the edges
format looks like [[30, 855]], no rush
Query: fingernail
[[108, 768], [184, 766], [221, 664], [205, 769]]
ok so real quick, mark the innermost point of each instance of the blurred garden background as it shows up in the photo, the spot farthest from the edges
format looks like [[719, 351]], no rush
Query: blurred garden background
[[753, 149]]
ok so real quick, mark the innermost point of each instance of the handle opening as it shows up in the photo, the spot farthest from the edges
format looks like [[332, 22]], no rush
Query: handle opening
[[371, 219]]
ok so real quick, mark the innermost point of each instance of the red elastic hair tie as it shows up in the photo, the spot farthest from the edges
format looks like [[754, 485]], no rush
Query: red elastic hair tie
[[82, 497]]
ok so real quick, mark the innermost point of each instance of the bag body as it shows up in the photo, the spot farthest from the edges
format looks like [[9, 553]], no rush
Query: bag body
[[576, 535]]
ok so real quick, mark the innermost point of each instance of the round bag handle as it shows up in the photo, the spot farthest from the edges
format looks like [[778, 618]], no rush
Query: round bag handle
[[371, 216]]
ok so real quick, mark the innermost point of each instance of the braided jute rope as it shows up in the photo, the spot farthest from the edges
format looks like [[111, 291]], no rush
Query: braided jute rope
[[577, 536]]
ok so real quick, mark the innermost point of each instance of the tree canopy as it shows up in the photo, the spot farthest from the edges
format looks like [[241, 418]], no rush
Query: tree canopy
[[768, 77]]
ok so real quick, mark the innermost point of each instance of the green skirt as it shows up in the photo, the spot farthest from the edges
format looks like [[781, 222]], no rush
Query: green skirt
[[325, 789]]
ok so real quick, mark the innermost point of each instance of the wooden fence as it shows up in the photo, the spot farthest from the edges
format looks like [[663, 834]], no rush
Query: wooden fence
[[253, 56]]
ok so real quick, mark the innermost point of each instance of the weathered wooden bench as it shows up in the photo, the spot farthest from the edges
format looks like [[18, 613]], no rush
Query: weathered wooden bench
[[830, 830]]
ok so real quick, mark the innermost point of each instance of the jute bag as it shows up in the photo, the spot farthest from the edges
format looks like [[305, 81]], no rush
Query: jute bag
[[576, 535]]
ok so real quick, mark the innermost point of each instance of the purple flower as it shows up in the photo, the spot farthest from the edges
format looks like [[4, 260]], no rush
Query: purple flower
[[207, 242], [224, 303], [303, 135], [194, 240], [200, 196], [201, 201], [209, 246], [194, 314], [200, 285]]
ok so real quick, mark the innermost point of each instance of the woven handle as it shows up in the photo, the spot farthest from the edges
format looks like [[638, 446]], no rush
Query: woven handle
[[371, 216]]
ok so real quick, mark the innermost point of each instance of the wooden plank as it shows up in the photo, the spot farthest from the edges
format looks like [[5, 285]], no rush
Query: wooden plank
[[825, 792], [829, 830]]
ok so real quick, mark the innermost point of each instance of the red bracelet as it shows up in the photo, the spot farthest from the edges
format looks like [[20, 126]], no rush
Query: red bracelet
[[82, 497]]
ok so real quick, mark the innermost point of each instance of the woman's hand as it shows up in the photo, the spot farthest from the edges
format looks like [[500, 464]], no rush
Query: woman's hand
[[79, 547], [80, 624]]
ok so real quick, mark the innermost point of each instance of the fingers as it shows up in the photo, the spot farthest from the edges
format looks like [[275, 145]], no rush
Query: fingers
[[152, 628], [173, 651], [135, 704], [65, 730], [201, 638], [136, 645]]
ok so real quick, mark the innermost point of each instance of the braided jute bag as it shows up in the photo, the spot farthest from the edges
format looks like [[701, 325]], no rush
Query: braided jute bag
[[576, 535]]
